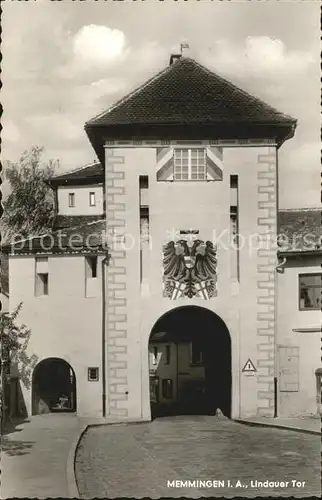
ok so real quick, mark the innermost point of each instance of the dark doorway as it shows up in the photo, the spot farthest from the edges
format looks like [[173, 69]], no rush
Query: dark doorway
[[190, 363], [53, 387]]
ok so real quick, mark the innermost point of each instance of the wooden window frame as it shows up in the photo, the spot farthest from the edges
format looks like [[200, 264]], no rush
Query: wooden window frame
[[189, 179]]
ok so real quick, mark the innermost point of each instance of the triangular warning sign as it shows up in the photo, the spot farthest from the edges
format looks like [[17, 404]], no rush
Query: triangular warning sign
[[249, 366]]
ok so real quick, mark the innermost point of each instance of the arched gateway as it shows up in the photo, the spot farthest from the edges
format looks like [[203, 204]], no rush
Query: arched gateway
[[53, 387], [190, 363]]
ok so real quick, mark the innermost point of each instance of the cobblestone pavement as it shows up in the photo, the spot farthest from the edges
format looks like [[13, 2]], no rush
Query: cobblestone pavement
[[138, 460]]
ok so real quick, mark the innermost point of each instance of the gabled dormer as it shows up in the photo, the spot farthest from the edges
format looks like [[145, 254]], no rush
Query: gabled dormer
[[79, 195]]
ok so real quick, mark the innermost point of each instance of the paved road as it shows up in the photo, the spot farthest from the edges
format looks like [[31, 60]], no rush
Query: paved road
[[34, 456], [138, 460]]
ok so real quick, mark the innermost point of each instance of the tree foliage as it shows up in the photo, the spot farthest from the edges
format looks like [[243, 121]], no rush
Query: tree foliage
[[29, 208], [13, 337]]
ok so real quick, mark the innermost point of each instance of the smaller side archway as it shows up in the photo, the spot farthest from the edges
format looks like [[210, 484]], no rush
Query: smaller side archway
[[53, 387]]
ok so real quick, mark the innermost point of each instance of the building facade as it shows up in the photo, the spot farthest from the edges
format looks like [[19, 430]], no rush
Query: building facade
[[180, 299]]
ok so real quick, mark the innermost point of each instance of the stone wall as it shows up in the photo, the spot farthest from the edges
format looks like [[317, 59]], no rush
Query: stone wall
[[267, 229], [116, 311]]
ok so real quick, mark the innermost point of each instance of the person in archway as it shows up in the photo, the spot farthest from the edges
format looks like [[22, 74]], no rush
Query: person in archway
[[63, 401]]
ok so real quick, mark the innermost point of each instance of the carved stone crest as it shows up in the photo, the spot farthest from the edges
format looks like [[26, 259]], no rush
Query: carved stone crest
[[189, 269]]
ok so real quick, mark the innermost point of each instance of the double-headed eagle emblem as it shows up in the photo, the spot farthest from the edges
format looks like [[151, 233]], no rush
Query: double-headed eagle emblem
[[189, 269]]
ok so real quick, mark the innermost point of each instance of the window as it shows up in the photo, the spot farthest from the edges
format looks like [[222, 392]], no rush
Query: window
[[234, 223], [41, 278], [71, 199], [92, 374], [167, 360], [310, 291], [143, 182], [197, 353], [154, 389], [42, 284], [167, 388], [189, 164], [92, 201], [91, 267], [92, 275], [155, 356]]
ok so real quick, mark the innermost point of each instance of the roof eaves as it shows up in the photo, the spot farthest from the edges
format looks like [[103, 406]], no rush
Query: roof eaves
[[296, 253], [10, 247]]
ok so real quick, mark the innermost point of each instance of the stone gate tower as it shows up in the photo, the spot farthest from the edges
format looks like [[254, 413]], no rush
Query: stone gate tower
[[191, 176]]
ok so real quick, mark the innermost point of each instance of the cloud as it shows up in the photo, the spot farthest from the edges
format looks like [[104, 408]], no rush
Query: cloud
[[10, 131], [42, 126], [99, 45], [300, 181], [66, 67], [259, 56]]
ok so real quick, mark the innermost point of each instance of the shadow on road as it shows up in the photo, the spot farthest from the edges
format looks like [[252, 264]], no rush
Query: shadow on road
[[14, 447], [11, 425], [11, 446]]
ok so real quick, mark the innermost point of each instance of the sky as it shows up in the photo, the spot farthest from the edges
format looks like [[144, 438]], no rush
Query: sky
[[66, 61]]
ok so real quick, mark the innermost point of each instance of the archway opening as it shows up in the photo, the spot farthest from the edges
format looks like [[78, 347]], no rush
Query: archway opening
[[53, 387], [190, 363]]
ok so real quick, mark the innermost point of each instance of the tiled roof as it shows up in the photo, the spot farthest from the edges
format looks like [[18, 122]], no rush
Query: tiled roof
[[86, 238], [65, 221], [300, 230], [187, 93], [4, 274], [93, 171]]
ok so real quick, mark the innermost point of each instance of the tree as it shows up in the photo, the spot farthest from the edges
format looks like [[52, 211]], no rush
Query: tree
[[29, 208], [13, 341]]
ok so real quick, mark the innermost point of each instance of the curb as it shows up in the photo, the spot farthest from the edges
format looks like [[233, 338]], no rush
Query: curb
[[71, 476], [278, 426]]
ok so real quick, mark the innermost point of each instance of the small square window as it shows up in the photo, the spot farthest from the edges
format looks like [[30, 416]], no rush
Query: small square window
[[71, 199], [92, 200], [93, 374]]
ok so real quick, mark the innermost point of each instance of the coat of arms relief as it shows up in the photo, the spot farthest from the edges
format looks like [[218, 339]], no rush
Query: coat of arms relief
[[189, 269]]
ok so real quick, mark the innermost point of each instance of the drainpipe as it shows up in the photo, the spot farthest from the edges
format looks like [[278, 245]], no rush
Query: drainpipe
[[276, 296], [105, 262], [279, 268]]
